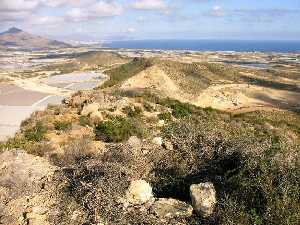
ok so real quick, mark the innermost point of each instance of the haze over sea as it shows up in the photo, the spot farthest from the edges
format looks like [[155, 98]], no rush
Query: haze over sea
[[209, 45]]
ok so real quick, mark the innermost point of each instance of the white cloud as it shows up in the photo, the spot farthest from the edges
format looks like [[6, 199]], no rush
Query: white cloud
[[98, 10], [45, 20], [131, 30], [150, 5], [54, 3], [77, 15], [141, 19], [13, 16], [18, 5], [103, 9], [74, 3], [217, 11]]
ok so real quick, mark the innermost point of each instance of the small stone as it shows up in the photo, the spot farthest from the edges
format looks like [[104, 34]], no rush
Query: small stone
[[157, 141], [139, 192], [203, 197], [168, 145], [170, 208], [161, 123], [134, 142]]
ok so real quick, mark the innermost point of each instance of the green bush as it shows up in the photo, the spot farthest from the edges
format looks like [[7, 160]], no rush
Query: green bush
[[166, 116], [133, 111], [119, 129], [85, 121], [13, 143], [36, 133], [148, 107], [62, 125], [179, 109]]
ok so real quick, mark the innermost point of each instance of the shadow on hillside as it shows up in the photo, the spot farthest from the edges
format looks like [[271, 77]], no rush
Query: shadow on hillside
[[271, 84], [291, 103], [215, 171]]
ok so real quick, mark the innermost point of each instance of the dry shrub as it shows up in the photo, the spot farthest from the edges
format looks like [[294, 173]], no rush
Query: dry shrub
[[74, 152]]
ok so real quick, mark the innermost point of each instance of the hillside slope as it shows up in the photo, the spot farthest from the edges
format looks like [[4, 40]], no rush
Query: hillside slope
[[219, 86], [128, 153], [102, 142]]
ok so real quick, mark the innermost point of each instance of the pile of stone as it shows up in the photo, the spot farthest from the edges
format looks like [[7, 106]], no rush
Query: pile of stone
[[203, 200]]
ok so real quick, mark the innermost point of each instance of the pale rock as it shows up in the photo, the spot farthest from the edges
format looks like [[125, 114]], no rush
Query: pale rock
[[168, 145], [139, 192], [39, 210], [157, 141], [96, 116], [203, 198], [134, 142], [90, 109], [161, 123], [170, 208]]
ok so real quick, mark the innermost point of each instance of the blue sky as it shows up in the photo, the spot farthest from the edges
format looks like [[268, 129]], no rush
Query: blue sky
[[154, 19]]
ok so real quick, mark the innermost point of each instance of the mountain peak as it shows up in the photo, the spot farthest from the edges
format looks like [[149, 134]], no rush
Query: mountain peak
[[13, 30], [15, 37]]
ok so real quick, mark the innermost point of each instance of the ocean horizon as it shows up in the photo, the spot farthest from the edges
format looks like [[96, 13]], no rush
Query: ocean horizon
[[284, 46]]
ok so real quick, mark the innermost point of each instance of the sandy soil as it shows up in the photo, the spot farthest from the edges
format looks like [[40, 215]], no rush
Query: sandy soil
[[157, 79], [233, 97]]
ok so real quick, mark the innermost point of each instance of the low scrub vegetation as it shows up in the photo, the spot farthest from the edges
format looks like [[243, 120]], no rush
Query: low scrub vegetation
[[166, 116], [63, 125], [36, 133], [119, 129], [133, 111], [120, 74], [252, 159], [85, 121]]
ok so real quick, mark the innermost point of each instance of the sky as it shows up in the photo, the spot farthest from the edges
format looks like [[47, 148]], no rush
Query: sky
[[96, 20]]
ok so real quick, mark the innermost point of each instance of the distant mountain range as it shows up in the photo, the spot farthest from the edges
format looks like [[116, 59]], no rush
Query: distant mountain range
[[16, 38]]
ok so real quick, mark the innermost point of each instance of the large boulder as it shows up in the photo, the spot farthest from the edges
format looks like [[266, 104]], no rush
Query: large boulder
[[203, 198], [139, 192], [89, 109], [170, 208]]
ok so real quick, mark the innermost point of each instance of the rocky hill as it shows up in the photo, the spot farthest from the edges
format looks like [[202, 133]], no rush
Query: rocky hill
[[128, 153], [15, 37]]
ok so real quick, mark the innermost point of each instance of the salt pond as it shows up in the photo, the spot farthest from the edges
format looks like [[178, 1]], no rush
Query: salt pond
[[76, 77], [17, 104]]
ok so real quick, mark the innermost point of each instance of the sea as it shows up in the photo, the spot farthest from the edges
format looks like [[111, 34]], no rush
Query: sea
[[209, 45]]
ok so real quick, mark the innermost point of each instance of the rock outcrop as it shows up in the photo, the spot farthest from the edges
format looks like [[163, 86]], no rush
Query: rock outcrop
[[22, 177], [31, 191]]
